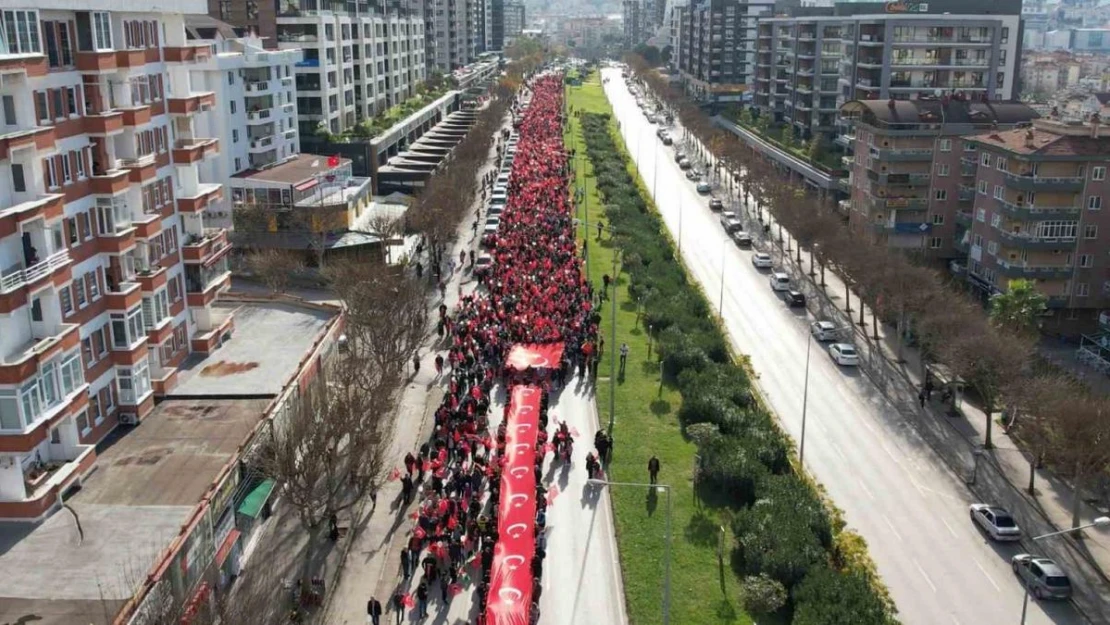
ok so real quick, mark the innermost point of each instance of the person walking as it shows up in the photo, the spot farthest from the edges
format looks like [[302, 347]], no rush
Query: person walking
[[373, 611], [422, 599], [415, 364], [398, 605], [624, 356], [653, 469], [406, 562], [406, 489]]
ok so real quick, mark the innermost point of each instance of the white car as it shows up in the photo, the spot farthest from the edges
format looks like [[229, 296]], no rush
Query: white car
[[762, 260], [780, 281], [823, 330], [704, 188], [996, 522], [483, 265], [844, 354]]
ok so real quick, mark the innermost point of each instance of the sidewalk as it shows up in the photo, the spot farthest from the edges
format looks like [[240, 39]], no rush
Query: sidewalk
[[1000, 475], [373, 565]]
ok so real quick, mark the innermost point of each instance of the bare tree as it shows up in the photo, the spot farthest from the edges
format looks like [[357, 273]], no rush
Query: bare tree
[[986, 360], [1033, 403], [1079, 442], [274, 267]]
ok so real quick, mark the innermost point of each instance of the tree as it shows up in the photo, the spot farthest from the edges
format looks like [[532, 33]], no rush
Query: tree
[[985, 359], [650, 54], [829, 597], [274, 267], [763, 595], [816, 148], [1078, 441], [788, 135], [1019, 309]]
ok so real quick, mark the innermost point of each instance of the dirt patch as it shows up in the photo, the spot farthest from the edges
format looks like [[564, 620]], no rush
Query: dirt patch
[[222, 368]]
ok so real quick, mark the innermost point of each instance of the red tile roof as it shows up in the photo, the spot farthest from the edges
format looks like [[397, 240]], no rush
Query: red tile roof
[[1044, 143]]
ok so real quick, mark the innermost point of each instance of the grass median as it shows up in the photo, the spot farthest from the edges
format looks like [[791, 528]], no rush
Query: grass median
[[703, 588]]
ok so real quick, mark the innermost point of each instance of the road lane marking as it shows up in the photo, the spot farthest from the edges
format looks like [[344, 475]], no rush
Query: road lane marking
[[949, 526], [836, 448], [890, 453], [891, 526], [923, 574], [865, 489], [869, 427], [988, 575]]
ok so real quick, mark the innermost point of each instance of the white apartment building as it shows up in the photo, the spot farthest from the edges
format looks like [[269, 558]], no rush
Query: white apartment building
[[108, 272], [356, 64]]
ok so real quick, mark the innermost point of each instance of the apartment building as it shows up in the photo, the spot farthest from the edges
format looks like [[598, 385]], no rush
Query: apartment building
[[357, 62], [911, 176], [253, 17], [716, 47], [639, 21], [514, 21], [107, 168], [1047, 76], [496, 24], [451, 32], [255, 91], [1040, 213]]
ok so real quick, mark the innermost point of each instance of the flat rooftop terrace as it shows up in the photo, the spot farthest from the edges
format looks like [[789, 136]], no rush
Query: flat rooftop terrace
[[148, 478]]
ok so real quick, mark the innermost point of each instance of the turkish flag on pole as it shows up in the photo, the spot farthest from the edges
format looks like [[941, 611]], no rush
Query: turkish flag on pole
[[333, 161]]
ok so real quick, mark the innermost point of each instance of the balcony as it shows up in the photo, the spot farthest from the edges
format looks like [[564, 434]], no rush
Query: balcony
[[104, 124], [261, 116], [261, 144], [45, 341], [260, 87], [904, 154], [103, 61], [1022, 270], [203, 284], [966, 193], [963, 218], [1025, 211], [192, 103], [193, 150], [48, 207], [140, 169], [1041, 183], [17, 277], [196, 53], [204, 250], [41, 138], [137, 115], [110, 182], [1027, 241]]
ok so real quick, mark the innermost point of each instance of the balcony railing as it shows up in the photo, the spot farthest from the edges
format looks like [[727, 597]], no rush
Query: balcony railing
[[1029, 182], [1022, 239], [1025, 211], [16, 276]]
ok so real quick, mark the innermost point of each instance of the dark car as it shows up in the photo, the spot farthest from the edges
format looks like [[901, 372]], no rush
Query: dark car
[[795, 298], [667, 140], [679, 155], [716, 205]]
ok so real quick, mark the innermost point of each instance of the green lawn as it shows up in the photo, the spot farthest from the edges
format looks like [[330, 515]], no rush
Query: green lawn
[[704, 590]]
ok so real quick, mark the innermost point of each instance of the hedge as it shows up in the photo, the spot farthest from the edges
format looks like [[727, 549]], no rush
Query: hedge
[[782, 526]]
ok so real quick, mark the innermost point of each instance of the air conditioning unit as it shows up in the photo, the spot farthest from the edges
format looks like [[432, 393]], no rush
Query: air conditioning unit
[[128, 418]]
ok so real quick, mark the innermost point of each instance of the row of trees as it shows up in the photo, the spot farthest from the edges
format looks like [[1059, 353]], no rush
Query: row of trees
[[1059, 420]]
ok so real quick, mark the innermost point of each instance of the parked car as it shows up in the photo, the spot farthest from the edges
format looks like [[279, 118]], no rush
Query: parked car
[[780, 281], [729, 221], [679, 156], [667, 140], [691, 174], [823, 330], [483, 264], [1045, 579], [795, 298], [651, 119], [685, 164], [743, 239], [716, 205], [844, 354], [662, 132], [761, 260], [995, 521], [704, 188]]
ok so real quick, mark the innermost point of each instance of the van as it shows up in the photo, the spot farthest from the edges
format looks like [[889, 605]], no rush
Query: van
[[780, 281]]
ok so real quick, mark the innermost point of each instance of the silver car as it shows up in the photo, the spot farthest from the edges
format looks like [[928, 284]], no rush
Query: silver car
[[996, 522], [1043, 577]]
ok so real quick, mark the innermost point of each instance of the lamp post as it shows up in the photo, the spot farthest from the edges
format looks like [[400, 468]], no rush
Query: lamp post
[[1101, 521], [667, 550], [805, 395]]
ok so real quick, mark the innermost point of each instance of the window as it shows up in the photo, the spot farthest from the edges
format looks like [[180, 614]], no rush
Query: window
[[977, 241], [127, 329], [67, 302], [1005, 34], [1090, 231], [999, 192], [102, 31], [996, 220], [19, 184], [1098, 173], [942, 169], [1094, 203], [1057, 229], [235, 135], [81, 164], [51, 173], [94, 285], [231, 78], [67, 174], [134, 383], [938, 219], [985, 160], [992, 247], [981, 215], [945, 145], [941, 195], [935, 243], [1000, 164], [983, 187], [1082, 289], [21, 32], [969, 147], [79, 292], [1086, 260], [233, 107]]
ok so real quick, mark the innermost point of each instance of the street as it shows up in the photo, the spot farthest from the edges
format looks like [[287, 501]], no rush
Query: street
[[909, 507]]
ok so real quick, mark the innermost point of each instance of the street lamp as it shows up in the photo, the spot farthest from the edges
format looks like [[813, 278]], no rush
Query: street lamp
[[666, 552], [805, 395], [1101, 521]]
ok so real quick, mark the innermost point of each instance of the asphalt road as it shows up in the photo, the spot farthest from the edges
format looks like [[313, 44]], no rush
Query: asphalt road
[[894, 491]]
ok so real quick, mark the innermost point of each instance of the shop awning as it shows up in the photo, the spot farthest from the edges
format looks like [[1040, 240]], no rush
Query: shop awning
[[253, 503], [225, 548]]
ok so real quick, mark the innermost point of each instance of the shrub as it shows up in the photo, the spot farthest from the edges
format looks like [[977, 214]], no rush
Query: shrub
[[774, 542], [763, 595], [828, 597], [791, 497], [731, 469]]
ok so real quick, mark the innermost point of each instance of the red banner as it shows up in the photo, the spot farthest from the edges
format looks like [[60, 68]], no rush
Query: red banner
[[510, 591], [539, 356]]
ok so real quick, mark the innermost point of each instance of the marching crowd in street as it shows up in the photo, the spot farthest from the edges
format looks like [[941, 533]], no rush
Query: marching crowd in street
[[534, 293]]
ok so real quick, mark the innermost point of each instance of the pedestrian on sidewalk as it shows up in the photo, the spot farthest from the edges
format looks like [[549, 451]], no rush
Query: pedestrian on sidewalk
[[373, 611], [439, 365], [624, 356], [398, 605], [921, 397], [406, 562], [415, 364], [422, 599], [653, 469], [406, 489]]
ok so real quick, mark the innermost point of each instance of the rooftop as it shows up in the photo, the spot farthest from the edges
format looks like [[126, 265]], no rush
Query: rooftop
[[148, 479], [938, 111], [302, 168], [1051, 138]]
